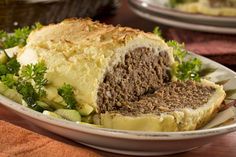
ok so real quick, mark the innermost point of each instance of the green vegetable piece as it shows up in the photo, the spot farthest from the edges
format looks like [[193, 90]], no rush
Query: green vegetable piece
[[13, 66], [189, 70], [185, 69], [68, 114], [52, 114], [34, 106], [44, 105], [66, 92], [18, 37], [85, 109], [9, 80], [157, 31], [3, 38], [31, 91], [36, 26], [54, 105], [10, 93], [28, 93], [3, 69], [3, 88], [36, 73], [87, 119], [178, 50], [3, 58]]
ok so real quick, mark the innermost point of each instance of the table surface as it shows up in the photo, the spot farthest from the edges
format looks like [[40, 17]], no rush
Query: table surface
[[222, 147]]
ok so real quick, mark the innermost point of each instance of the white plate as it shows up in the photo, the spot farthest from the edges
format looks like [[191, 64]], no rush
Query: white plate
[[131, 142], [161, 14]]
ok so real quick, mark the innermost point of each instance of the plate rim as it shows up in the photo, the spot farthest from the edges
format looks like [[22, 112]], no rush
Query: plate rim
[[175, 13], [184, 25]]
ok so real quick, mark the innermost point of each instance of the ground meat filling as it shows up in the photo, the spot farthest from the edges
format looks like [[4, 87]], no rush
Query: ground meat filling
[[141, 73], [142, 84], [170, 97]]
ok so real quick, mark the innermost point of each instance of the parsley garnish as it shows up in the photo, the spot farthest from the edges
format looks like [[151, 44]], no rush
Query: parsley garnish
[[35, 73], [11, 67], [66, 92], [179, 51], [18, 37], [9, 70], [28, 93], [3, 69], [9, 80], [30, 84], [189, 70], [157, 31], [185, 69], [30, 81]]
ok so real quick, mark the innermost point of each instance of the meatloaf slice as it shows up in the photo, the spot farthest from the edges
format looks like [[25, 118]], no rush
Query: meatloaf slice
[[176, 106], [141, 73], [170, 97]]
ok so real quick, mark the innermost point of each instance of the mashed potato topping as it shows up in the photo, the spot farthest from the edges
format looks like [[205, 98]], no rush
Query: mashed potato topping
[[210, 7]]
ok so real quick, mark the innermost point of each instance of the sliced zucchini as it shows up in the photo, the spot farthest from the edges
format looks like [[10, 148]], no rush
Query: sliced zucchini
[[53, 105], [87, 119], [68, 114], [52, 114], [44, 105], [3, 58], [85, 109], [10, 93], [35, 107]]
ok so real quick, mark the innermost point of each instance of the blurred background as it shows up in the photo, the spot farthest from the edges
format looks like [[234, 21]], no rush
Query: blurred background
[[19, 13]]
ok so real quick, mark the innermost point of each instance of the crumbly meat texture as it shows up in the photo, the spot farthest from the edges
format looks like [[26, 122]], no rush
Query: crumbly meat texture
[[142, 85], [170, 97], [141, 73]]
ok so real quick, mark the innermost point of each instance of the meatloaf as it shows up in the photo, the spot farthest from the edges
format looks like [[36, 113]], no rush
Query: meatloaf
[[123, 73]]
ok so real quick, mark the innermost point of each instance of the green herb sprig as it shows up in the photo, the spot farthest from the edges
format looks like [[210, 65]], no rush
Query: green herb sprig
[[185, 69], [35, 73], [9, 80], [8, 70], [28, 92], [29, 82], [18, 37], [157, 31], [66, 92]]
